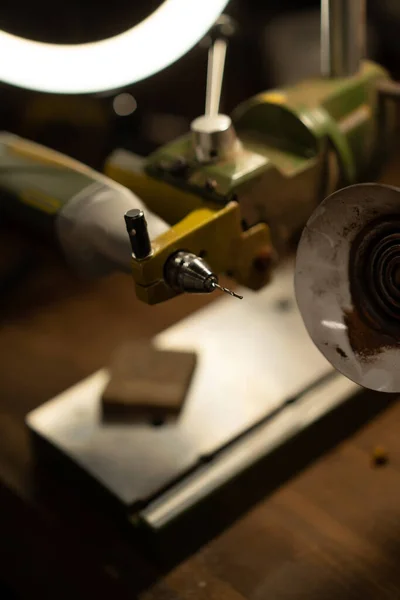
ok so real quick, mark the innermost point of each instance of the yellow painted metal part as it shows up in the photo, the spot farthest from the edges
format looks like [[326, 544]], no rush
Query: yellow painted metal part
[[168, 202], [216, 235], [38, 154], [206, 229]]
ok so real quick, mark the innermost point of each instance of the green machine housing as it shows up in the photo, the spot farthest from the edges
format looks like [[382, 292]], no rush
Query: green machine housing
[[297, 145]]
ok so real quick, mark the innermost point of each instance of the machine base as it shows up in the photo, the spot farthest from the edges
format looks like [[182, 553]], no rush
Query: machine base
[[259, 384]]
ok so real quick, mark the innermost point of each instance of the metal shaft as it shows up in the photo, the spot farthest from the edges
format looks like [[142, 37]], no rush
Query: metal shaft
[[343, 25], [215, 75]]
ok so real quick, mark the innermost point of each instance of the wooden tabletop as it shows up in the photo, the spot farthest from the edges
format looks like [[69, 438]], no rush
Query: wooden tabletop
[[332, 531]]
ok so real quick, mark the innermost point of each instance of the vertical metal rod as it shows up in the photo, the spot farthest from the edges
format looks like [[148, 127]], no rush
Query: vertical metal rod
[[215, 75], [343, 29]]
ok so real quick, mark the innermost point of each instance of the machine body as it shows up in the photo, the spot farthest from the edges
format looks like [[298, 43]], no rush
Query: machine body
[[235, 192], [296, 146], [237, 213], [84, 211]]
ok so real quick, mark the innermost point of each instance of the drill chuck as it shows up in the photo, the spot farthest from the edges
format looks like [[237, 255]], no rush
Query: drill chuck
[[186, 272]]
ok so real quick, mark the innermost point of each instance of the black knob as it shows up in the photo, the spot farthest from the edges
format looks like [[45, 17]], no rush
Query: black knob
[[137, 230]]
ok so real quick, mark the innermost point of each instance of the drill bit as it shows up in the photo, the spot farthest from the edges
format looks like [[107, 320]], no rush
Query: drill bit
[[227, 291]]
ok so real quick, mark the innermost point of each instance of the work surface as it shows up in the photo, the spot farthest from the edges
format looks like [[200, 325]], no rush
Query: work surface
[[332, 531]]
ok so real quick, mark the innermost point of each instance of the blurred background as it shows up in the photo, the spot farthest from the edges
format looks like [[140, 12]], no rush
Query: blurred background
[[277, 43]]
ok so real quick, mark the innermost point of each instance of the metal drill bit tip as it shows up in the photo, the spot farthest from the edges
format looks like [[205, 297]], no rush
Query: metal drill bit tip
[[227, 291]]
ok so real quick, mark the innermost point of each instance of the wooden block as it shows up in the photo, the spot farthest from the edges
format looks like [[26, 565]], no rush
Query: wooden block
[[147, 383]]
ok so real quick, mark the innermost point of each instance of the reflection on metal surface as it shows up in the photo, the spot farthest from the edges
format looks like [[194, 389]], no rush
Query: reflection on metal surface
[[253, 356]]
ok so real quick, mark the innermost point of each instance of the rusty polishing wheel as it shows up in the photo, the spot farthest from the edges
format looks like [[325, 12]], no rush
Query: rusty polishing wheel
[[347, 283]]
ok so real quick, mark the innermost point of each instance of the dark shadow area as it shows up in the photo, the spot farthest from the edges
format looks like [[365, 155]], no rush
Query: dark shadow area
[[31, 265], [6, 593]]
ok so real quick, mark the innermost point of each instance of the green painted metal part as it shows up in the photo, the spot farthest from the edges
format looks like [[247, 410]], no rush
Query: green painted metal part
[[298, 118], [298, 145]]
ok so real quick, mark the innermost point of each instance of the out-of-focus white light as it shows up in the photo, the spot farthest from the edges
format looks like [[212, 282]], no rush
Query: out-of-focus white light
[[158, 41], [334, 325], [124, 105]]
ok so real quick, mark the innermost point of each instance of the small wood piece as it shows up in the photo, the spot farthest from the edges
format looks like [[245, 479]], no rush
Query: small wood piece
[[147, 383]]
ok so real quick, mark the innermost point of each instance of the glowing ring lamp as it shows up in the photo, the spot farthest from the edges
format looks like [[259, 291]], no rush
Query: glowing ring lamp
[[155, 43]]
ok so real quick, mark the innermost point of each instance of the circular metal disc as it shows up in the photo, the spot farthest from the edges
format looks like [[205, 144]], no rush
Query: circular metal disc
[[366, 354]]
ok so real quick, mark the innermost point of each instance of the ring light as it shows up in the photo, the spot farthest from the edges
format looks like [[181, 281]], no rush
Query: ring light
[[157, 42]]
